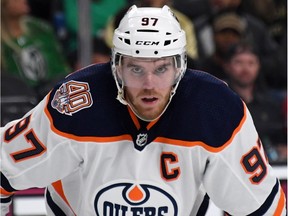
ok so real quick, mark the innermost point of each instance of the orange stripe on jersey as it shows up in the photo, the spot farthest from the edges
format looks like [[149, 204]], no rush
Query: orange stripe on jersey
[[200, 143], [5, 193], [136, 122], [281, 204], [59, 189], [83, 138], [159, 139], [151, 124], [134, 118]]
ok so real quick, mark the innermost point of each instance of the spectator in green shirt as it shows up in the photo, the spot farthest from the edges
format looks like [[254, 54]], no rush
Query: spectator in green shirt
[[30, 49]]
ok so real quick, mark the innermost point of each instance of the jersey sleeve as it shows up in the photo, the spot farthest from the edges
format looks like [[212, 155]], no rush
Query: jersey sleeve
[[246, 184], [32, 155]]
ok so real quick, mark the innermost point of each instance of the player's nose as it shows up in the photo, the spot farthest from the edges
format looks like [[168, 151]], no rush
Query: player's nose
[[149, 80]]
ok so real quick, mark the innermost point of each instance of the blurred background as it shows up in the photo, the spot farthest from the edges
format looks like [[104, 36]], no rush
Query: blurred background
[[42, 41]]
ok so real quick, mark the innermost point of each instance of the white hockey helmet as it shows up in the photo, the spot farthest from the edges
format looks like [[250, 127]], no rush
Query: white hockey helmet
[[148, 32]]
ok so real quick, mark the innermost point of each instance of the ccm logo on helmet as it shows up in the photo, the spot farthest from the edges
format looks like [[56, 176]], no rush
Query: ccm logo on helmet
[[147, 43]]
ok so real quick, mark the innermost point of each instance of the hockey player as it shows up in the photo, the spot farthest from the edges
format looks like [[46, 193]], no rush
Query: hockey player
[[145, 146]]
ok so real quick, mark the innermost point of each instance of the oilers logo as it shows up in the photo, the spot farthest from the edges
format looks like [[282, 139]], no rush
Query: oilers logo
[[128, 199]]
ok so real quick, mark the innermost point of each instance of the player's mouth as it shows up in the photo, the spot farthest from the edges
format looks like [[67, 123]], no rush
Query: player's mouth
[[149, 100]]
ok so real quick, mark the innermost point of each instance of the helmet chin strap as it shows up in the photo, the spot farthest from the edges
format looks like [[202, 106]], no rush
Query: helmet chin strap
[[121, 99]]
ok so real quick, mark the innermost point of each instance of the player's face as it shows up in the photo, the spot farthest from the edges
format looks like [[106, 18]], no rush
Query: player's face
[[147, 83]]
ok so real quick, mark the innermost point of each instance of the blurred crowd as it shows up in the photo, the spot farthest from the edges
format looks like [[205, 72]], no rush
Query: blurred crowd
[[243, 42]]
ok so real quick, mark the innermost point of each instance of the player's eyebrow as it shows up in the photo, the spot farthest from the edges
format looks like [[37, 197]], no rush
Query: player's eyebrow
[[166, 64], [131, 64]]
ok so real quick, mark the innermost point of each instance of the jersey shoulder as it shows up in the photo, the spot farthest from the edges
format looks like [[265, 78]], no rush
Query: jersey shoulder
[[85, 102], [206, 109]]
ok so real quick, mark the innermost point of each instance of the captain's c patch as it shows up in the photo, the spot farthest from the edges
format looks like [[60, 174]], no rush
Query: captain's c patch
[[72, 97]]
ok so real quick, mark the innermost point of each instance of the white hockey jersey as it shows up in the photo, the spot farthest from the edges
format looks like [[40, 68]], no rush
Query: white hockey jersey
[[96, 158]]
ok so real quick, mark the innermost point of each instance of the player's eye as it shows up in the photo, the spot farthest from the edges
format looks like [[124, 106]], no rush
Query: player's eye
[[161, 70], [137, 70]]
